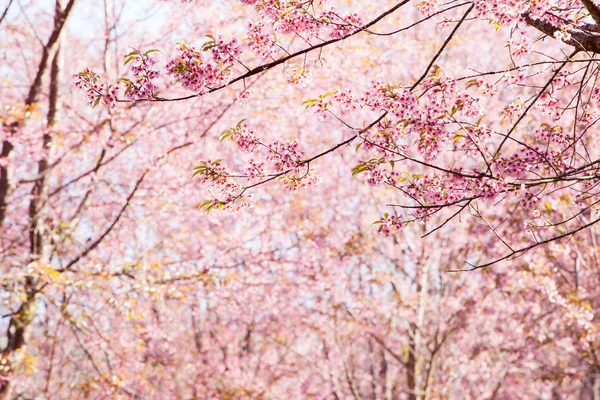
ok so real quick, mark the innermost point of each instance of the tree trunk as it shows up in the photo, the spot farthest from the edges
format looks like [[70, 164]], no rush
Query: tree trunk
[[591, 388], [39, 238]]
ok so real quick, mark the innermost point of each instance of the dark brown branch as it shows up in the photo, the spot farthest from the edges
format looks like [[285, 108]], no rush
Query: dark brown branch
[[582, 41], [5, 11], [441, 50], [593, 9]]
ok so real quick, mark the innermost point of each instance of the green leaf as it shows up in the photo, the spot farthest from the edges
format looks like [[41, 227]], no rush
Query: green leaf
[[459, 135], [226, 133], [206, 203], [321, 97], [471, 83], [362, 167], [310, 102]]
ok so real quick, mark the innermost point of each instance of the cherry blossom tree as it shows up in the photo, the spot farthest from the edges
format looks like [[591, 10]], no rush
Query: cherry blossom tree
[[439, 124], [280, 199]]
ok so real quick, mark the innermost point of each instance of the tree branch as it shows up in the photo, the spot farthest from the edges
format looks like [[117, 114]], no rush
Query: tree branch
[[5, 11], [582, 41], [524, 250], [268, 66], [593, 9]]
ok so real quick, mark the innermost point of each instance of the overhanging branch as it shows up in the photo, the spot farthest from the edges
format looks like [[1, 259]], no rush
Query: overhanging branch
[[580, 40], [593, 9]]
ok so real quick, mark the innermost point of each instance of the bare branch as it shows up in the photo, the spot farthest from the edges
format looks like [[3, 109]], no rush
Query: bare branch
[[5, 11]]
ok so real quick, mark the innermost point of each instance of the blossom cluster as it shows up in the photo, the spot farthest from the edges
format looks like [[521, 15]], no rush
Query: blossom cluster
[[339, 26], [285, 159], [95, 91], [200, 71], [389, 224], [442, 120], [297, 18], [210, 67], [218, 177], [142, 86], [262, 44]]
